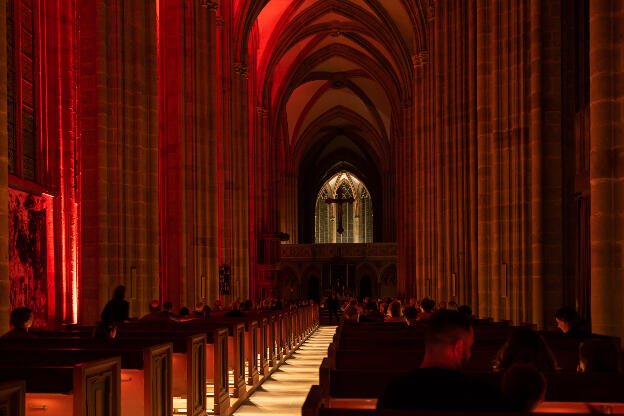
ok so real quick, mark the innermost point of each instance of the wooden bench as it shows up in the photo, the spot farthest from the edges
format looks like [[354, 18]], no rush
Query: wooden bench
[[146, 373], [69, 387], [562, 387], [189, 363], [313, 406], [13, 398]]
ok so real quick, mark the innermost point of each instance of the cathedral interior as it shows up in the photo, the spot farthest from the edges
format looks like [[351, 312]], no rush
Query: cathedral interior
[[194, 150]]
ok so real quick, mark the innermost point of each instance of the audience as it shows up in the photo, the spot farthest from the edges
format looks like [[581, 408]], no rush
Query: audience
[[394, 311], [466, 311], [411, 315], [184, 312], [155, 314], [21, 320], [439, 384], [168, 308], [351, 315], [117, 309], [371, 313], [235, 312], [201, 311], [426, 309], [569, 322], [525, 346], [523, 388], [598, 356]]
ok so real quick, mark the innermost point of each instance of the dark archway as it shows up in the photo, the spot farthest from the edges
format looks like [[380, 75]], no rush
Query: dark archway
[[366, 289], [314, 289]]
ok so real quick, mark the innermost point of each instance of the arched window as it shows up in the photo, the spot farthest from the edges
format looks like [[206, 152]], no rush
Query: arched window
[[356, 211]]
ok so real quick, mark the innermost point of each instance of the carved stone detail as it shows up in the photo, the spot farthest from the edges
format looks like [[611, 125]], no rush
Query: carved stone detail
[[211, 5], [241, 69], [421, 58]]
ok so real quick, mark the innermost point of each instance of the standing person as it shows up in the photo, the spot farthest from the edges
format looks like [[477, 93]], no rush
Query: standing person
[[333, 305], [117, 309]]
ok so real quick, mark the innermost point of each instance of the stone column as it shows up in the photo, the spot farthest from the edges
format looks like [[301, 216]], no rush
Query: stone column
[[4, 180], [606, 66]]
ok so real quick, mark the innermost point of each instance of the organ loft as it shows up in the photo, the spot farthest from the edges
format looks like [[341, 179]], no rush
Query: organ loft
[[216, 184]]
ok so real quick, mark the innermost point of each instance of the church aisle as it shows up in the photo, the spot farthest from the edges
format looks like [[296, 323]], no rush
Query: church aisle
[[284, 392]]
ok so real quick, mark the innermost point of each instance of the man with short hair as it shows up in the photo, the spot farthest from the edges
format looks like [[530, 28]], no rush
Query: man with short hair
[[155, 314], [21, 321], [439, 384]]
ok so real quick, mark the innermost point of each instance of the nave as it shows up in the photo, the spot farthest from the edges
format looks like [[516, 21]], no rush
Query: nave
[[284, 392]]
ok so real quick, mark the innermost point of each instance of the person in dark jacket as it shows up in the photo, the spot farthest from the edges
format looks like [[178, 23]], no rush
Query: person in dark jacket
[[117, 309], [332, 306]]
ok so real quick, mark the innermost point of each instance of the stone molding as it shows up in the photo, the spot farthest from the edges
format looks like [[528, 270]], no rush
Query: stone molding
[[241, 69], [330, 251], [211, 5]]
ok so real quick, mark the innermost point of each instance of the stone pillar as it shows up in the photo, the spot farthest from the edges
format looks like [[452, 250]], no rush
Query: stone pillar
[[4, 180], [606, 66], [119, 131]]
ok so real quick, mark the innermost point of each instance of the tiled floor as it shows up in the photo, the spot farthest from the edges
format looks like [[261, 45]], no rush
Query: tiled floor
[[285, 391]]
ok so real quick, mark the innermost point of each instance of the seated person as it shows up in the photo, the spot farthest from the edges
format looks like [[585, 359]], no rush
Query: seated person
[[105, 330], [439, 383], [351, 315], [201, 311], [598, 356], [235, 312], [167, 308], [452, 305], [426, 309], [525, 346], [523, 388], [21, 321], [466, 311], [569, 322], [411, 315], [395, 312], [184, 312], [371, 313], [155, 314]]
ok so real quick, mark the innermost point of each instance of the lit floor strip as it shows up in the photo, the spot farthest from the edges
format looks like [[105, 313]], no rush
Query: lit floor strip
[[284, 392]]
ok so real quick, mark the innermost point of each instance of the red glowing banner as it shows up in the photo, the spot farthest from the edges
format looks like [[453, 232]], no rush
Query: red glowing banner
[[28, 261]]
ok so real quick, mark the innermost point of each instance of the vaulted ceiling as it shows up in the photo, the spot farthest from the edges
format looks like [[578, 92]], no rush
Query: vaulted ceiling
[[336, 71]]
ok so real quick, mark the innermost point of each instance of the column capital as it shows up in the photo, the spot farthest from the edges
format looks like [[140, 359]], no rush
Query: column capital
[[211, 5], [431, 9], [241, 69], [262, 112], [421, 58]]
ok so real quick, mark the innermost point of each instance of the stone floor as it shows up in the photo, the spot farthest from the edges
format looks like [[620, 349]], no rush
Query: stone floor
[[284, 392]]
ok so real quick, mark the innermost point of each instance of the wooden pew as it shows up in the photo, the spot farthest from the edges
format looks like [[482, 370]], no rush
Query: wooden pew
[[12, 398], [563, 387], [68, 387], [313, 406], [189, 362], [235, 342], [243, 346], [146, 373]]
